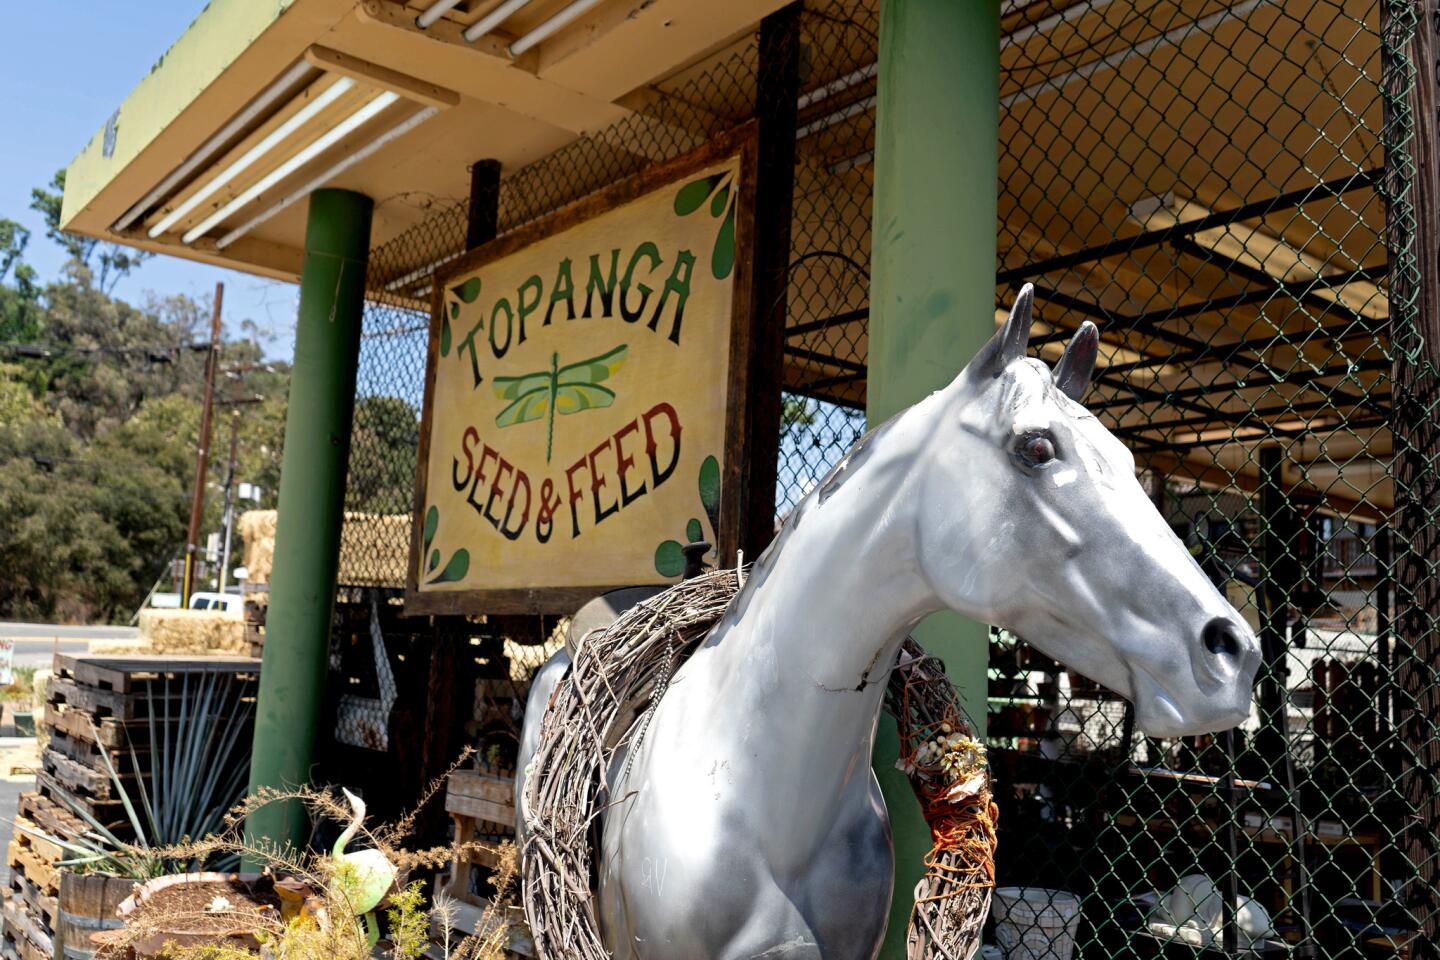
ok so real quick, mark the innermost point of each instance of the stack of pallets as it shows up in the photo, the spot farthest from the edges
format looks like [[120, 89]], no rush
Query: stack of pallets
[[102, 713], [107, 709], [30, 909]]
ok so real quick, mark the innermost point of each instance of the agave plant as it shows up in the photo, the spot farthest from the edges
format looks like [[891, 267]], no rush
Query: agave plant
[[198, 771]]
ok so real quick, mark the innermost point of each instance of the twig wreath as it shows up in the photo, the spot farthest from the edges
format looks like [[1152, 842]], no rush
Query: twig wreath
[[631, 662]]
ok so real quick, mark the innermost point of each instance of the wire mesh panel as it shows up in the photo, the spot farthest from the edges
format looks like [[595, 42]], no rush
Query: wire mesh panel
[[1223, 186], [1207, 182]]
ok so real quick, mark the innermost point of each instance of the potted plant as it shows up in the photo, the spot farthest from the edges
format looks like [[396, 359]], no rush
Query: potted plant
[[18, 695]]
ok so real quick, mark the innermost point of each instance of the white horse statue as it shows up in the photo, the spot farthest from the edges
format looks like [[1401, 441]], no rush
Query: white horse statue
[[748, 822]]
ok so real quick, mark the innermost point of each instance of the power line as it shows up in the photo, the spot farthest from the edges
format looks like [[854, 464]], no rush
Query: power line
[[153, 354]]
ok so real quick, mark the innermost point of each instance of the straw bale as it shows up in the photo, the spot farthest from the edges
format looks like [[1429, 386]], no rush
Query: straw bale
[[525, 659], [374, 548], [257, 530], [194, 632], [114, 647]]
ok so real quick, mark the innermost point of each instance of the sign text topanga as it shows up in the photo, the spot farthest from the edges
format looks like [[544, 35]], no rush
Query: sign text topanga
[[580, 408]]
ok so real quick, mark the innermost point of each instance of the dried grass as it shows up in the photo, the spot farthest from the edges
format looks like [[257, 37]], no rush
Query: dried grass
[[374, 548], [192, 632], [318, 934]]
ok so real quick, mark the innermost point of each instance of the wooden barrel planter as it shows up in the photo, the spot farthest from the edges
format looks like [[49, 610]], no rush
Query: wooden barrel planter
[[88, 904], [173, 904]]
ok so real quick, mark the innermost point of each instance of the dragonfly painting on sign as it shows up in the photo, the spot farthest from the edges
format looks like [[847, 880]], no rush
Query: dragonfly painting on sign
[[568, 389], [584, 401]]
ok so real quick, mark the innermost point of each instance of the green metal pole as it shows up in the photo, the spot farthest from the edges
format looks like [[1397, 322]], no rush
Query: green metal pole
[[312, 495], [932, 296]]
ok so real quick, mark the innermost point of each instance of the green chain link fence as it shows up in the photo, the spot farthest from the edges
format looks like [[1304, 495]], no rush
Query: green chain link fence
[[1228, 190]]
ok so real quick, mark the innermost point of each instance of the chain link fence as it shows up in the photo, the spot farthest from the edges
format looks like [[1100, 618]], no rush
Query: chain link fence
[[1224, 187]]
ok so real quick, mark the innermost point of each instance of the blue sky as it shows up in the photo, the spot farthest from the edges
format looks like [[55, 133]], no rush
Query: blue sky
[[66, 67]]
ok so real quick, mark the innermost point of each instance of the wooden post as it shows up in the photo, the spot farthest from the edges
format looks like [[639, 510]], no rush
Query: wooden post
[[776, 106], [1281, 577], [202, 451], [1412, 194], [484, 215], [450, 700]]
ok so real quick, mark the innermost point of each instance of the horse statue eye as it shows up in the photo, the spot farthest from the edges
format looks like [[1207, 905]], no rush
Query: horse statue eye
[[1037, 449]]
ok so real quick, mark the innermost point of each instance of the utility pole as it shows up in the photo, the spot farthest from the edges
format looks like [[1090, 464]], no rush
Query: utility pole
[[229, 499], [202, 453]]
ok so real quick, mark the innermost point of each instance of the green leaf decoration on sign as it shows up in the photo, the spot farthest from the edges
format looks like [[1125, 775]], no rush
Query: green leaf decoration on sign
[[468, 290], [454, 311], [572, 388], [694, 530], [710, 490], [445, 337], [692, 196], [434, 559], [717, 188], [432, 523], [669, 559], [456, 569], [722, 258]]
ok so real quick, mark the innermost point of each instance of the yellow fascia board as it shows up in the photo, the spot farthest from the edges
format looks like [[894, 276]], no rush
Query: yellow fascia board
[[217, 37]]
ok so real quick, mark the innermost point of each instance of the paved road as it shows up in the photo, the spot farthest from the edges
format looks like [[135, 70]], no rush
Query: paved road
[[49, 631], [41, 653]]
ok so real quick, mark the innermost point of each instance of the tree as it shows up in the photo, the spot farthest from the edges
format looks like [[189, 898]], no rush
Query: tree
[[115, 262], [382, 455], [13, 239]]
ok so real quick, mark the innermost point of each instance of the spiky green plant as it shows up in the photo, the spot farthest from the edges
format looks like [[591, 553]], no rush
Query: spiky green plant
[[196, 776]]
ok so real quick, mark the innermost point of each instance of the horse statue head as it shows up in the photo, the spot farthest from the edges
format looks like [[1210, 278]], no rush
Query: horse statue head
[[1077, 560]]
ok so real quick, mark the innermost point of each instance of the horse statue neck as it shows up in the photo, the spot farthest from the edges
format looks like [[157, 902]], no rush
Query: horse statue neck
[[798, 666]]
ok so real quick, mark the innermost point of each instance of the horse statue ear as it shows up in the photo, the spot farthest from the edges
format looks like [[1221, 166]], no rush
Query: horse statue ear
[[1008, 343], [1073, 372]]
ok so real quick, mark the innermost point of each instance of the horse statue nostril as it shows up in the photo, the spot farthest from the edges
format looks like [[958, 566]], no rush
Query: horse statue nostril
[[1220, 638]]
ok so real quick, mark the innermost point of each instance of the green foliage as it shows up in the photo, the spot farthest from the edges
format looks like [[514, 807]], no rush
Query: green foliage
[[382, 461], [409, 923], [114, 262], [13, 239], [21, 689], [98, 432]]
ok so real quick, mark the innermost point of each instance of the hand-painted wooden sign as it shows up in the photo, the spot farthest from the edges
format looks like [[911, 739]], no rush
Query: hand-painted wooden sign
[[582, 400]]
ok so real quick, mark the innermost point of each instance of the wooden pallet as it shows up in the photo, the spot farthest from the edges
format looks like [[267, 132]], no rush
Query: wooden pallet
[[84, 782], [79, 725], [86, 750], [103, 704], [111, 813], [137, 674], [477, 802], [51, 816], [23, 937], [25, 865], [257, 605], [27, 833], [43, 908], [482, 796]]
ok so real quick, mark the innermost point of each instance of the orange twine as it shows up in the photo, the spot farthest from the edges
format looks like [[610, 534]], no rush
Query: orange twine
[[968, 829]]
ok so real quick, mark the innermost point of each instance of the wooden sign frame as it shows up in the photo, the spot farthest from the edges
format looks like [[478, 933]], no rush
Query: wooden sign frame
[[562, 599]]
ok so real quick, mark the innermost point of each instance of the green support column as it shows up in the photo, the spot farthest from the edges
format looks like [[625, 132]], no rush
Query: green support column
[[932, 295], [312, 500]]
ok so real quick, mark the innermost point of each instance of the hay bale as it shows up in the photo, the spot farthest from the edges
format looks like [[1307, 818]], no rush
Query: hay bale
[[374, 548], [257, 530], [194, 632], [112, 647]]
